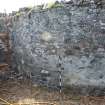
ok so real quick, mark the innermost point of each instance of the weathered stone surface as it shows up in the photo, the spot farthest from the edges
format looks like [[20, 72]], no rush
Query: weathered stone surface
[[2, 25], [2, 52], [2, 45], [68, 39]]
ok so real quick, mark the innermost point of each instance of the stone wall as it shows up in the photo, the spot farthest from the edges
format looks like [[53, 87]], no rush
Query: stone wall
[[2, 25], [2, 52], [68, 40], [2, 45]]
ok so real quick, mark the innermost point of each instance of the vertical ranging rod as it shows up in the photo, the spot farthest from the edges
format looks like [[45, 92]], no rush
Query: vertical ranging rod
[[60, 80]]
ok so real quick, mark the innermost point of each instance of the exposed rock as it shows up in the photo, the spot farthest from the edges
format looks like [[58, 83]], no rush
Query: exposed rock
[[69, 39], [62, 36]]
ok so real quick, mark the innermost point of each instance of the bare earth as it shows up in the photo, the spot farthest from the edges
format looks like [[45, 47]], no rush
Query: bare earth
[[15, 92]]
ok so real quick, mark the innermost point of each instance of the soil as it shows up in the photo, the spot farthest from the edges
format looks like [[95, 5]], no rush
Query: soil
[[21, 92]]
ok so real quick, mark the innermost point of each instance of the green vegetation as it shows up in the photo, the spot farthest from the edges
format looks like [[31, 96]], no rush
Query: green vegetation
[[30, 7], [53, 5], [18, 14], [57, 5]]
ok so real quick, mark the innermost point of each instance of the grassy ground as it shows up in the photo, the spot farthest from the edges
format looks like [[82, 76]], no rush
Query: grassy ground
[[23, 93]]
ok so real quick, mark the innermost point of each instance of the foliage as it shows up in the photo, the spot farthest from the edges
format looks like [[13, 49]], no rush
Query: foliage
[[30, 7], [18, 14], [57, 5], [52, 5]]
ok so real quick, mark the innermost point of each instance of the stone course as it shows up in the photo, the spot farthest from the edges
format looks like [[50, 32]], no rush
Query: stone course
[[70, 39]]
